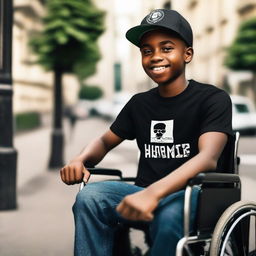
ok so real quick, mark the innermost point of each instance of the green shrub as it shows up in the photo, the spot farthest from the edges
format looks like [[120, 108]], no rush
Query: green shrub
[[90, 92], [27, 120]]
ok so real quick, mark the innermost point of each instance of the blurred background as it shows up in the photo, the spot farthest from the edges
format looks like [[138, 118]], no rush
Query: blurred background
[[72, 71], [117, 68]]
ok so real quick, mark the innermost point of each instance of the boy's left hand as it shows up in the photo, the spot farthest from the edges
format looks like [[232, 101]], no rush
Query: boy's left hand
[[138, 206]]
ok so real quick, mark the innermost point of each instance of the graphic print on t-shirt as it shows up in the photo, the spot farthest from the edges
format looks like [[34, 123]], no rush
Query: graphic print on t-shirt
[[161, 131]]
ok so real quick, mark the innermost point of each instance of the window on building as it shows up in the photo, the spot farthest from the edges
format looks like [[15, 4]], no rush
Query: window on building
[[117, 75], [168, 5], [192, 4], [43, 2]]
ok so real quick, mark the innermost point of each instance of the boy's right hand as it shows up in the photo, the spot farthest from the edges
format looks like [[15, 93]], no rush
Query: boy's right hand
[[74, 173]]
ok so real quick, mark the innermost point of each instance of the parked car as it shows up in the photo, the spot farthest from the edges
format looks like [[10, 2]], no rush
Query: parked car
[[81, 110], [109, 109], [244, 115]]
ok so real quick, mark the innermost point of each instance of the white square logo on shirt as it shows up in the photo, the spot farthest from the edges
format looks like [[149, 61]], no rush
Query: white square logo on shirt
[[161, 131]]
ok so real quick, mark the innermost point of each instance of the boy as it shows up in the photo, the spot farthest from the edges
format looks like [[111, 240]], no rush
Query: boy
[[181, 128]]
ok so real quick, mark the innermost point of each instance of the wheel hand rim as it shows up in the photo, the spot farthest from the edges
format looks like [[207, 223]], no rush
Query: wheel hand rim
[[232, 227]]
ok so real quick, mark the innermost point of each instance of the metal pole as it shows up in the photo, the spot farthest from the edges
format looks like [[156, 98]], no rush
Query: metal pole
[[8, 155], [57, 139]]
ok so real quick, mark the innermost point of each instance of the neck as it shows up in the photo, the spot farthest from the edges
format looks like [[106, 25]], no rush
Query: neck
[[173, 88]]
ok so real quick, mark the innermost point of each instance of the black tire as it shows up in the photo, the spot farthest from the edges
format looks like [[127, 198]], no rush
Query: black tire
[[227, 239]]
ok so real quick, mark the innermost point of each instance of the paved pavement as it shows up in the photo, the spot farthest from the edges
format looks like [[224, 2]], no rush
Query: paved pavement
[[43, 222]]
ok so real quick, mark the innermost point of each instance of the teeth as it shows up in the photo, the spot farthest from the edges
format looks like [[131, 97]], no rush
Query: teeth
[[158, 68]]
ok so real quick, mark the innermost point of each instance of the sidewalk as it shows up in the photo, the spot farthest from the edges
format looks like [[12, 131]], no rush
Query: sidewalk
[[43, 223]]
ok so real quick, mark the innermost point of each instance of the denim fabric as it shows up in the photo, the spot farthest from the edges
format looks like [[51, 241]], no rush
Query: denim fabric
[[96, 219]]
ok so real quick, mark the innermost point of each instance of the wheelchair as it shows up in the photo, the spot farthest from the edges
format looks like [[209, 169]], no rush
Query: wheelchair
[[224, 226]]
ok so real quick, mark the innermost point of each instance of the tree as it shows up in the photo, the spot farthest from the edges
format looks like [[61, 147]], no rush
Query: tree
[[67, 44], [242, 53]]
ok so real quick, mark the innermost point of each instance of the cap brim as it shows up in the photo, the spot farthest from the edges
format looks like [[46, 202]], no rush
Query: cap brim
[[135, 34]]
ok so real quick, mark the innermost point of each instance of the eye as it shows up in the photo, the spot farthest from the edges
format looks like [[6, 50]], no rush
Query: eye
[[146, 52], [167, 49]]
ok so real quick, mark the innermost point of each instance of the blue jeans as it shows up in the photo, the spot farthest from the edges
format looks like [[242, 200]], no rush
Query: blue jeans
[[96, 219]]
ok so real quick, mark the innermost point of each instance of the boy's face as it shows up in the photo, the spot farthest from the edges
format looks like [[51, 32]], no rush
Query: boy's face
[[164, 56]]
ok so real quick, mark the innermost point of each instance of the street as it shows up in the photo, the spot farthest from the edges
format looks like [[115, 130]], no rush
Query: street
[[43, 224]]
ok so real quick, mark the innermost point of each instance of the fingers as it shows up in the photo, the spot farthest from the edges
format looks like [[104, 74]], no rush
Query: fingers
[[127, 212], [74, 173], [86, 174], [71, 175], [62, 175], [130, 213], [148, 217]]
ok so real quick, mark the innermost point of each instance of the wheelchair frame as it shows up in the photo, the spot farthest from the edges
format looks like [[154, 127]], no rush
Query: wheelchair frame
[[211, 180], [228, 220]]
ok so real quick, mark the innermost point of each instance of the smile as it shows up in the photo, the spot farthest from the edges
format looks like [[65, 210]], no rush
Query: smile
[[159, 69]]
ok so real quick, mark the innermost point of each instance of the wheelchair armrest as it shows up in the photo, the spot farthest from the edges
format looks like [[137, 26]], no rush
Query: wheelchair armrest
[[214, 178], [110, 172], [221, 189], [105, 171], [102, 171]]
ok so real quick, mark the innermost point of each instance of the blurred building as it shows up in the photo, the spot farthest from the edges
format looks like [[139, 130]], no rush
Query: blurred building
[[215, 24], [33, 87]]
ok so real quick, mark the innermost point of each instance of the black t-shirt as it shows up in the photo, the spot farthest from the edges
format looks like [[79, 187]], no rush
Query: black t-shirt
[[167, 129]]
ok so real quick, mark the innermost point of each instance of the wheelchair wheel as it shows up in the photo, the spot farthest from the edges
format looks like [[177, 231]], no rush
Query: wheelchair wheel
[[231, 236]]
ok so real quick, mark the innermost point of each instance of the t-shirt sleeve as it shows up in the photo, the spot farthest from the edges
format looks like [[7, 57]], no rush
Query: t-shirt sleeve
[[216, 114], [123, 126]]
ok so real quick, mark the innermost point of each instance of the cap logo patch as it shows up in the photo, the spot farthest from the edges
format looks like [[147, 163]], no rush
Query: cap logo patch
[[155, 16]]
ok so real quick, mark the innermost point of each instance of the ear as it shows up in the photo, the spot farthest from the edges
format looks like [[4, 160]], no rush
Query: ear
[[188, 54]]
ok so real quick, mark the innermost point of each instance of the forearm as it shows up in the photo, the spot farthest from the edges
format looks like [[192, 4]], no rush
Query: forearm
[[75, 171], [88, 155], [98, 148], [177, 179]]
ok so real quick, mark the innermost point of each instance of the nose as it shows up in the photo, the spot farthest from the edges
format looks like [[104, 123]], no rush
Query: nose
[[156, 57]]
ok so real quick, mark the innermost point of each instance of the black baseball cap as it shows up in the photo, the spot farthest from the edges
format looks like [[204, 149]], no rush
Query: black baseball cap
[[162, 18]]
